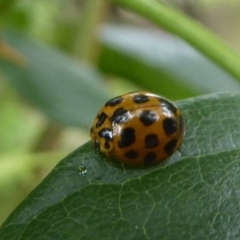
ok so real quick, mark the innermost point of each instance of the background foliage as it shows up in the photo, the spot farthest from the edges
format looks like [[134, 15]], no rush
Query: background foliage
[[60, 61]]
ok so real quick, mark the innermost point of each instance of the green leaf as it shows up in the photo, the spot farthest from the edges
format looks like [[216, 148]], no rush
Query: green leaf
[[66, 90], [161, 63], [191, 31], [193, 195]]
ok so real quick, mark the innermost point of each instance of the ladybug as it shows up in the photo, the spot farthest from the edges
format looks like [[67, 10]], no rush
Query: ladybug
[[138, 128]]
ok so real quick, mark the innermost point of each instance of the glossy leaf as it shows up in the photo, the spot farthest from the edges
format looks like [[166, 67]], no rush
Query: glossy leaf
[[191, 31], [66, 90], [161, 63], [193, 195]]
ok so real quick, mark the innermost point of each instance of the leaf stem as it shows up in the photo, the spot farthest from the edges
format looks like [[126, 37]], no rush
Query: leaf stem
[[86, 47]]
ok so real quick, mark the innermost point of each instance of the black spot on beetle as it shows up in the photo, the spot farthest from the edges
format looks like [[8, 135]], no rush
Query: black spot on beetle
[[170, 146], [122, 118], [169, 126], [140, 98], [150, 157], [106, 133], [151, 141], [131, 154], [118, 112], [101, 119], [127, 137], [168, 105], [114, 101], [147, 117], [107, 145]]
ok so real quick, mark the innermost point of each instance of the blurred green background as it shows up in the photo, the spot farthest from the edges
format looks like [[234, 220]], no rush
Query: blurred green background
[[61, 60]]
